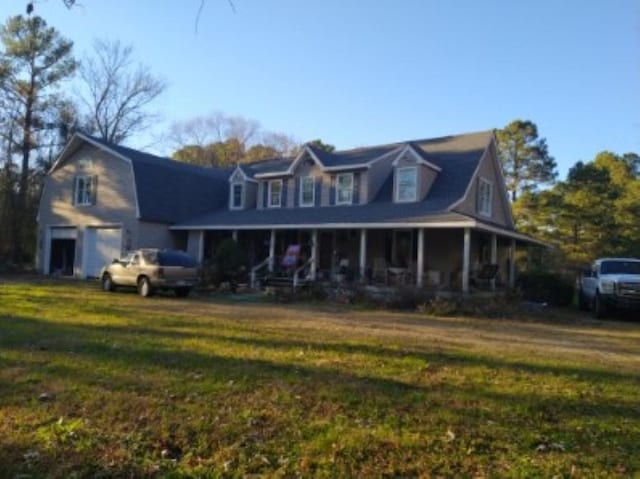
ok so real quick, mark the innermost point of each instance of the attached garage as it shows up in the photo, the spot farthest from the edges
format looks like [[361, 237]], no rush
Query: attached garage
[[62, 251], [101, 246]]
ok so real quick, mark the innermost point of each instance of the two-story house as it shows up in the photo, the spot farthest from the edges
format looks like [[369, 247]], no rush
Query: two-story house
[[429, 210]]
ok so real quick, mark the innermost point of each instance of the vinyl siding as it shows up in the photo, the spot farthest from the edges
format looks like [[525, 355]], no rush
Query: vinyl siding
[[499, 206]]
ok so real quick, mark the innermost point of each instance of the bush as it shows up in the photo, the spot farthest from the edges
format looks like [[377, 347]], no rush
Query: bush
[[228, 265], [546, 287], [408, 297], [495, 307]]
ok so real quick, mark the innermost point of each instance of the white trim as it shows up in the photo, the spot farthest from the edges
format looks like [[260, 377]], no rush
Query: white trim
[[269, 183], [466, 260], [299, 158], [497, 167], [418, 158], [396, 188], [337, 196], [313, 190], [471, 182], [92, 197], [357, 166], [463, 223], [231, 196], [328, 226], [244, 176]]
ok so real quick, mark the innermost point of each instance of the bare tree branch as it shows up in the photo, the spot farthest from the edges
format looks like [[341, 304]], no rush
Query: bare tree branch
[[118, 92]]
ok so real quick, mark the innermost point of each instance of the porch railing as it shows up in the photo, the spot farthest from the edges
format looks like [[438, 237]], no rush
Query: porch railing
[[296, 273], [255, 269]]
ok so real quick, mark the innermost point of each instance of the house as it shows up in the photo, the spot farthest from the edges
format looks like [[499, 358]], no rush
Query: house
[[428, 212]]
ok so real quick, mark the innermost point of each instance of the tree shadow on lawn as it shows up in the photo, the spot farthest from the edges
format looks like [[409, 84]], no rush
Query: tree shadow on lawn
[[89, 341], [83, 339], [354, 393]]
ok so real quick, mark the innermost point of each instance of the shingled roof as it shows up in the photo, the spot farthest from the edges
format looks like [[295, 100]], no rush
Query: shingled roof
[[169, 191], [457, 156]]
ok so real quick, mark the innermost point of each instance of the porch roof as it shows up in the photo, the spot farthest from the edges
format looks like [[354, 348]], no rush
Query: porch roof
[[380, 215], [377, 216]]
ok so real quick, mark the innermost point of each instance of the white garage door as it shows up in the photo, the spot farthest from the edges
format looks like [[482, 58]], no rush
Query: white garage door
[[102, 245]]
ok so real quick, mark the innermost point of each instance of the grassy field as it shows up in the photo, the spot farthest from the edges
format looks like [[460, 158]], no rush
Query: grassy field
[[112, 385]]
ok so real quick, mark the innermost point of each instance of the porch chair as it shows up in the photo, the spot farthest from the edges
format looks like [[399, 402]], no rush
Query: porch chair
[[380, 271], [485, 274]]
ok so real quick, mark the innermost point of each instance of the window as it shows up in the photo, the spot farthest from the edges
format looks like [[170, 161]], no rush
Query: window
[[85, 190], [307, 191], [344, 189], [406, 184], [275, 193], [485, 197], [237, 195]]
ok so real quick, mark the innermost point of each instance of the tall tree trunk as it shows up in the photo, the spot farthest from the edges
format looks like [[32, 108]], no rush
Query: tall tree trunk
[[23, 217]]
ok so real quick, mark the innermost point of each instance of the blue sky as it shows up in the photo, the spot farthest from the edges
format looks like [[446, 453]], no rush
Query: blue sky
[[362, 72]]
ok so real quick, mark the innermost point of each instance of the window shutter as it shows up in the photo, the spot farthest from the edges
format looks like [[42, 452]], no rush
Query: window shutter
[[284, 193], [355, 197], [332, 191], [318, 187], [94, 189], [265, 194], [297, 188], [74, 193]]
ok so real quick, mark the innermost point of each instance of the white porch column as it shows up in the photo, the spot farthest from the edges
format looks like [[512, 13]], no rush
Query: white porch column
[[234, 235], [272, 250], [200, 246], [314, 254], [420, 259], [512, 264], [363, 254], [494, 257], [466, 253]]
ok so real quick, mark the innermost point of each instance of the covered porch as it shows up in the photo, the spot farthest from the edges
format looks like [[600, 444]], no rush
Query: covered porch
[[442, 258]]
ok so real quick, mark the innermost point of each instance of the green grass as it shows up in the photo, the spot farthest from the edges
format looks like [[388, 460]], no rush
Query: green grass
[[202, 387]]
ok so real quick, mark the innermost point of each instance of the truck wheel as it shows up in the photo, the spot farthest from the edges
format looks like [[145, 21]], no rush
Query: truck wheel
[[599, 307], [144, 287], [107, 283]]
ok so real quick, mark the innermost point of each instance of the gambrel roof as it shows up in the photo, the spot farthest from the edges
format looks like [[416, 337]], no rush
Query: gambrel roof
[[167, 191]]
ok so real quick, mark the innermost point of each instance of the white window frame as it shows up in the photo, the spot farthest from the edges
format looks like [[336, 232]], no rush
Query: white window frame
[[232, 205], [415, 187], [85, 196], [485, 197], [350, 200], [270, 204], [313, 191]]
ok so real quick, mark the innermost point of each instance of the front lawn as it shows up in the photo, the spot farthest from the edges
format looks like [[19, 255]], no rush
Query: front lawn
[[113, 385]]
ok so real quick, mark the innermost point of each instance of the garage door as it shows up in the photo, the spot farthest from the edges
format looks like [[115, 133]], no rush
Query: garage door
[[102, 245]]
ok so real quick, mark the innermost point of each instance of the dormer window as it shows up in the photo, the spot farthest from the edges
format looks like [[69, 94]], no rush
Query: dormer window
[[406, 184], [307, 191], [237, 196], [485, 197], [275, 194], [344, 189]]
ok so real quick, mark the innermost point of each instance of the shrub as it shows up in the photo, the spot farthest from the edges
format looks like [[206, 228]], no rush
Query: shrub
[[408, 297], [546, 287], [228, 265]]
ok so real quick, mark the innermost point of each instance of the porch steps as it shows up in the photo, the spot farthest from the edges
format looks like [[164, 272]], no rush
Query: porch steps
[[283, 282]]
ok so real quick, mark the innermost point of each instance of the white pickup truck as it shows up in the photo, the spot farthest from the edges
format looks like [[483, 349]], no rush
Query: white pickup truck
[[610, 283]]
